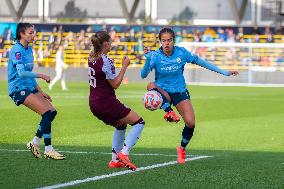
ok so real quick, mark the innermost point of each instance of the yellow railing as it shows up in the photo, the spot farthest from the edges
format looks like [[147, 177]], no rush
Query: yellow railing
[[78, 57]]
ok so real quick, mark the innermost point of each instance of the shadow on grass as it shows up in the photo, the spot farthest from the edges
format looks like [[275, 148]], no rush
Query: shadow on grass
[[226, 169]]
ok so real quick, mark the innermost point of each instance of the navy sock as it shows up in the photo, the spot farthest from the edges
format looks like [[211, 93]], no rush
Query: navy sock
[[187, 134], [39, 132], [165, 105], [45, 124], [47, 141]]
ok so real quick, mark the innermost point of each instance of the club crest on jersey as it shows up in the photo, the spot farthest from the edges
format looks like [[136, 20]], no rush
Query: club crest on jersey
[[22, 93], [178, 60], [18, 55]]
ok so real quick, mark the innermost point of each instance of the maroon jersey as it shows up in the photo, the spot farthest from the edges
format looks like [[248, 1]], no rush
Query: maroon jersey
[[99, 72], [102, 100]]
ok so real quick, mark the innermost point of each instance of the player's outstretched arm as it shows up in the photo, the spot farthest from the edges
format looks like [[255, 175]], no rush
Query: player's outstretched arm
[[203, 63]]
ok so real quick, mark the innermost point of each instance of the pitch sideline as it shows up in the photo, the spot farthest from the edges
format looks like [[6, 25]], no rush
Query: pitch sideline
[[101, 177], [101, 153]]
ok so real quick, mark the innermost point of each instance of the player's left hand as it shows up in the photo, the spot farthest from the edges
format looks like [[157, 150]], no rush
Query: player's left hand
[[46, 96], [234, 73], [146, 50], [125, 61]]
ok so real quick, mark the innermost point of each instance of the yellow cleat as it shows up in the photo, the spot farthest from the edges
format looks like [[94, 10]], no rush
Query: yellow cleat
[[52, 154], [34, 149]]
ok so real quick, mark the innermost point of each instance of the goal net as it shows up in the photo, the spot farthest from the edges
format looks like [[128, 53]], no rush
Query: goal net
[[258, 63]]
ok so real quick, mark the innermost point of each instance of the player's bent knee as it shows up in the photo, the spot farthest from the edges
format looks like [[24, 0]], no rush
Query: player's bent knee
[[122, 127], [139, 121], [45, 122], [190, 124], [151, 86], [47, 115]]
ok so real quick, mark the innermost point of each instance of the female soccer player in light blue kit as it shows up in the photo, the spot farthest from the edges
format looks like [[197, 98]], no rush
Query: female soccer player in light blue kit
[[168, 62], [23, 89]]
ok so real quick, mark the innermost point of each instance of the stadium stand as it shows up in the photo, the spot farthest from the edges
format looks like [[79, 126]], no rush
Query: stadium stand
[[130, 41]]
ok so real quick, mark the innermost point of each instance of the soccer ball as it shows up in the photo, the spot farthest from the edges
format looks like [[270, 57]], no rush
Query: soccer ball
[[152, 100]]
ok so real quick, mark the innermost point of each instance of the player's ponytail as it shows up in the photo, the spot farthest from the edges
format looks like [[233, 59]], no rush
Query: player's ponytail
[[97, 41], [21, 28]]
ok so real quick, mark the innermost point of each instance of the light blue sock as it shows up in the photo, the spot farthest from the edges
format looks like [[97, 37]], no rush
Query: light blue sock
[[118, 139], [133, 136], [117, 142], [166, 107]]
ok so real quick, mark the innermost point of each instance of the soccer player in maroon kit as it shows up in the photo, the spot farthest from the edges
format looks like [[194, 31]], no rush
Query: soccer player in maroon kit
[[103, 103]]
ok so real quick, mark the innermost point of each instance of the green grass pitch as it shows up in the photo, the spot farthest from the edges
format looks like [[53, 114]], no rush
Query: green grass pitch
[[242, 128]]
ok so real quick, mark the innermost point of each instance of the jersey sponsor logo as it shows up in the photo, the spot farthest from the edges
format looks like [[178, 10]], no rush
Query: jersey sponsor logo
[[170, 68], [18, 55]]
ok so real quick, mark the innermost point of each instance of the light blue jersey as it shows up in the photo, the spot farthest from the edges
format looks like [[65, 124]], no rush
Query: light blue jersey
[[169, 69], [20, 66]]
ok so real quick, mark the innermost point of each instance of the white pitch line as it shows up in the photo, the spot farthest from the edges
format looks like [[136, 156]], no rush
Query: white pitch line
[[9, 150], [107, 153], [104, 153], [100, 177]]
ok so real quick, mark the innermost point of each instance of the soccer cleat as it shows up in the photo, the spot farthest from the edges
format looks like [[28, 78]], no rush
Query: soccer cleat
[[171, 116], [34, 149], [113, 165], [125, 160], [181, 155], [52, 154]]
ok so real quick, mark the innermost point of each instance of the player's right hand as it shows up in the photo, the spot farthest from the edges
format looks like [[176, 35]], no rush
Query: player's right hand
[[146, 50], [125, 61], [234, 73], [46, 78]]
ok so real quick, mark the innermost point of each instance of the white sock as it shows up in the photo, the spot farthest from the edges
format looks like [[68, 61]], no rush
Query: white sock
[[48, 148], [36, 140], [132, 137], [125, 150], [117, 142], [114, 157]]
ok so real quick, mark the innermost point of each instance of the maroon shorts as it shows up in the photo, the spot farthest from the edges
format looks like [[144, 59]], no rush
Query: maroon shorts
[[109, 110]]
